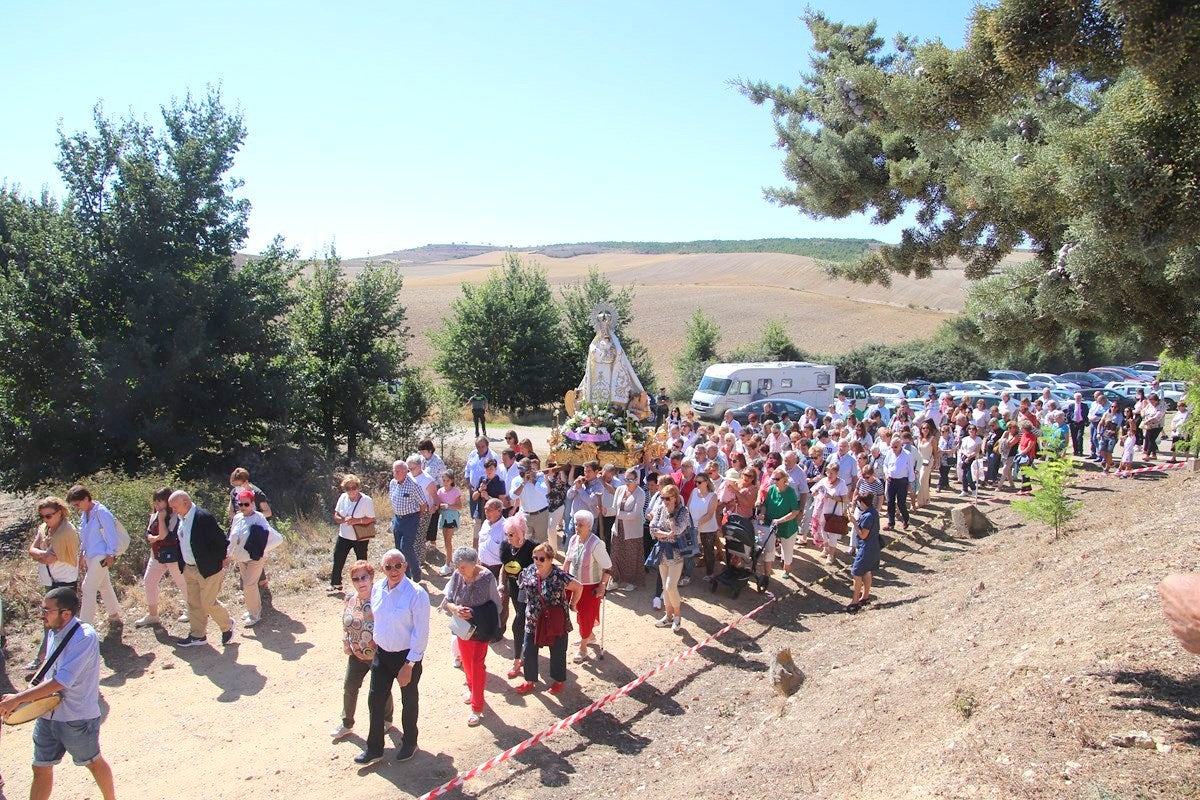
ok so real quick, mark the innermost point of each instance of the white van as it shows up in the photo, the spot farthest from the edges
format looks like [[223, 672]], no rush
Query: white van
[[726, 386]]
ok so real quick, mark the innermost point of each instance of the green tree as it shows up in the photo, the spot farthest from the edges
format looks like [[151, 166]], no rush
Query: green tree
[[775, 344], [504, 337], [701, 339], [1185, 369], [1071, 126], [1052, 477], [177, 355], [578, 300], [352, 344]]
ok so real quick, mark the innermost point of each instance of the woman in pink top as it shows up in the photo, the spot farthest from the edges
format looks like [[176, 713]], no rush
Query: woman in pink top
[[449, 498]]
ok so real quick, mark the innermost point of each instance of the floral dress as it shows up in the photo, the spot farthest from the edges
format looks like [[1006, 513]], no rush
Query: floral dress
[[541, 593]]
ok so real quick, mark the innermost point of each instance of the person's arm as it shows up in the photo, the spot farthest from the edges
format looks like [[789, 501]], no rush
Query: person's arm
[[574, 592], [44, 689], [39, 548], [1181, 603]]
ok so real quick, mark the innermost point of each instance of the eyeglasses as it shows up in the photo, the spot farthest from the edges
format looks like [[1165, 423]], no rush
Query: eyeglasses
[[781, 478], [631, 480], [393, 567], [540, 559], [359, 578], [50, 515], [245, 505], [44, 610]]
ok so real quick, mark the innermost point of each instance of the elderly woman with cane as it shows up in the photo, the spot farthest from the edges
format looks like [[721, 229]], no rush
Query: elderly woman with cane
[[588, 562]]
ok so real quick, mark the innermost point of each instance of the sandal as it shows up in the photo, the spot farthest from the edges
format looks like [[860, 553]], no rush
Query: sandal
[[528, 687], [579, 658], [851, 607], [515, 671]]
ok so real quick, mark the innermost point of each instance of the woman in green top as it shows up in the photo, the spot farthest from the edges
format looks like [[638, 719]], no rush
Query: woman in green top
[[781, 509]]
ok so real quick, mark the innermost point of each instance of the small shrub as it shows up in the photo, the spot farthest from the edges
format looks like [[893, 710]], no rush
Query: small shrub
[[964, 703]]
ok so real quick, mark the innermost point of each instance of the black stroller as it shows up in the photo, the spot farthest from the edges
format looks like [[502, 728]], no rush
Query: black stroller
[[742, 551]]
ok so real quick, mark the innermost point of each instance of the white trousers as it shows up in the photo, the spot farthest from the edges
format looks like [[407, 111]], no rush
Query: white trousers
[[96, 579]]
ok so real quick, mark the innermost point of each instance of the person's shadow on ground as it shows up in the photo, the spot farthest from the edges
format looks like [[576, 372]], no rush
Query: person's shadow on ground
[[219, 664], [276, 631]]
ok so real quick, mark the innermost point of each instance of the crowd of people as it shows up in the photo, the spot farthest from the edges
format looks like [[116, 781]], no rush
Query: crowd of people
[[825, 481]]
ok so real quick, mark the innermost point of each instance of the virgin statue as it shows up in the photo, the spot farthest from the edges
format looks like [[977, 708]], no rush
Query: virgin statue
[[609, 378]]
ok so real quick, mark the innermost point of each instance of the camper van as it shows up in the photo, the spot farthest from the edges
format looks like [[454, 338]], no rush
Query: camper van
[[726, 386]]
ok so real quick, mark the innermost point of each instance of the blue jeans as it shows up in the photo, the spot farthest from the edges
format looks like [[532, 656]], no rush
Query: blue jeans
[[405, 533], [53, 739]]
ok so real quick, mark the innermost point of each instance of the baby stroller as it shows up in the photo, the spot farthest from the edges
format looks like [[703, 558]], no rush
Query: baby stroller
[[742, 551]]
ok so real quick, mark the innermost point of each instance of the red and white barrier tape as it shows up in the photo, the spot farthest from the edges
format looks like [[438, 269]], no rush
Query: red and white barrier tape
[[1155, 468], [567, 722]]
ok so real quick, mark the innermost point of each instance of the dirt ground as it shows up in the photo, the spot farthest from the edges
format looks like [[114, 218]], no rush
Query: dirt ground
[[999, 666]]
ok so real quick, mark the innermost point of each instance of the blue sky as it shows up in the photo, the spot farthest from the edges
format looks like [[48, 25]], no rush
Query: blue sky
[[387, 125]]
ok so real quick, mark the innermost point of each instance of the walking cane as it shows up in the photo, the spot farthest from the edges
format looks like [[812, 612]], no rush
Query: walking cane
[[603, 627]]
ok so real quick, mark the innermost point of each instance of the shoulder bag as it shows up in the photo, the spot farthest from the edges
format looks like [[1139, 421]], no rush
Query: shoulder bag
[[837, 523], [361, 532], [36, 708]]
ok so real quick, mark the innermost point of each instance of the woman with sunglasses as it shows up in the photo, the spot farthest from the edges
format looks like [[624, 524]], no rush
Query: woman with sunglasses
[[248, 547], [670, 522], [166, 557], [55, 548], [780, 510], [550, 595], [358, 624], [704, 508], [516, 553], [628, 557]]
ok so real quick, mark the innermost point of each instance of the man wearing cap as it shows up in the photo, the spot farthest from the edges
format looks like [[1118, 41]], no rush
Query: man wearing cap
[[479, 407]]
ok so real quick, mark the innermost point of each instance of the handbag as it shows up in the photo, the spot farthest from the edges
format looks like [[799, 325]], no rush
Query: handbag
[[169, 554], [689, 542], [461, 628], [361, 532], [836, 523], [551, 624]]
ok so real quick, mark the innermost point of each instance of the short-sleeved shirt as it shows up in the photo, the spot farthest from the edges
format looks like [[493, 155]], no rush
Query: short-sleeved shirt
[[77, 668], [514, 560], [406, 498], [780, 504], [541, 593], [357, 625], [361, 508]]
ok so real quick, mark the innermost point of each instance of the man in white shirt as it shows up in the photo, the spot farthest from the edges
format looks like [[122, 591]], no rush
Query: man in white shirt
[[401, 634], [799, 481], [1008, 406], [898, 468], [475, 472], [881, 407], [847, 463], [1096, 411], [734, 426], [530, 489]]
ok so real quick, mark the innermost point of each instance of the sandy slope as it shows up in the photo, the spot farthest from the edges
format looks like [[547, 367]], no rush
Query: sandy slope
[[1052, 646]]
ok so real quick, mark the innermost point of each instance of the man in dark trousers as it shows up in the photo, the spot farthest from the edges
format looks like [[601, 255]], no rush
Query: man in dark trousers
[[1077, 418], [401, 634], [479, 407], [204, 560]]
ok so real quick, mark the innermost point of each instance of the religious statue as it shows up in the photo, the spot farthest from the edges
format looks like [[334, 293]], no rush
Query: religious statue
[[609, 378]]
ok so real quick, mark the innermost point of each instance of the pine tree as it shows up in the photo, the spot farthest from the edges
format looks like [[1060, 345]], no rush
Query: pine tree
[[1052, 477], [701, 339]]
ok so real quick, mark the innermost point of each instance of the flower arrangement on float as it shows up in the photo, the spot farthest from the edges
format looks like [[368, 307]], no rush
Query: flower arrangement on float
[[605, 427]]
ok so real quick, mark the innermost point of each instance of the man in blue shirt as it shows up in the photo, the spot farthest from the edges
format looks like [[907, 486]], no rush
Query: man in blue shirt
[[74, 725]]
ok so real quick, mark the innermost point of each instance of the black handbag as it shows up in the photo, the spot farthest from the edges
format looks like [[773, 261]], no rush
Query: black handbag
[[169, 554], [485, 622]]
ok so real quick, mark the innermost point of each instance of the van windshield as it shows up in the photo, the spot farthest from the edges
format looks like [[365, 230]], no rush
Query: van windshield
[[714, 385]]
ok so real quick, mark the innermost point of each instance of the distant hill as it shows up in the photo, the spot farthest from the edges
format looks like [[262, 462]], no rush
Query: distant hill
[[819, 249]]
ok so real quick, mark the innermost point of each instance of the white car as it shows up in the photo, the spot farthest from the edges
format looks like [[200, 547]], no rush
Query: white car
[[1055, 381], [891, 393], [1003, 385]]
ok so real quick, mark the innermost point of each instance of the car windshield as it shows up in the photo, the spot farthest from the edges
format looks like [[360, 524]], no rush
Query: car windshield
[[714, 385]]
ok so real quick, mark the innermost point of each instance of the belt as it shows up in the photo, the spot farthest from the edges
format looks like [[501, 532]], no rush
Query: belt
[[405, 516], [539, 511]]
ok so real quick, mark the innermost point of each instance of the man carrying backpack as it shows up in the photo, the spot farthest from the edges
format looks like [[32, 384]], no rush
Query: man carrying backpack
[[98, 543]]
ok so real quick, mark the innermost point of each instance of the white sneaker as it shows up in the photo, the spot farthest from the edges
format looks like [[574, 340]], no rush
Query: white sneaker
[[446, 570], [183, 618], [684, 581], [657, 603], [665, 622], [340, 732], [628, 587], [249, 621], [146, 621], [678, 621]]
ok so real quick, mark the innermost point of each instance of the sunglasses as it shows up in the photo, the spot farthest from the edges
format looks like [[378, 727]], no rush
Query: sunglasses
[[540, 559], [360, 578], [50, 515], [245, 505], [393, 567]]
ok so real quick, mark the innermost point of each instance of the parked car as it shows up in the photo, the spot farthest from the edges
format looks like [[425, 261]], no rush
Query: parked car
[[1007, 375], [978, 386], [1056, 381], [1123, 401], [1124, 373], [1148, 367], [1108, 374], [795, 409], [1006, 384], [1084, 380], [853, 392], [1172, 392], [890, 392], [953, 387]]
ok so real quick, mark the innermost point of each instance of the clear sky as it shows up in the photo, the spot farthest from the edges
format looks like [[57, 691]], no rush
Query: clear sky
[[386, 125]]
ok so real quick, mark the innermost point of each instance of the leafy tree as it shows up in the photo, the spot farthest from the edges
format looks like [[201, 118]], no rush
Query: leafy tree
[[578, 301], [773, 345], [504, 337], [1186, 369], [1070, 126], [177, 355], [701, 338], [1052, 476], [353, 343]]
